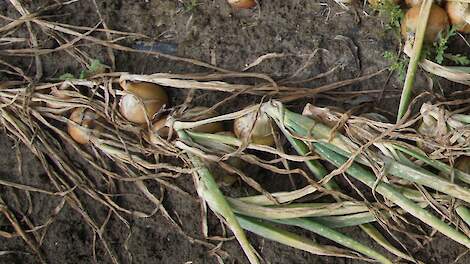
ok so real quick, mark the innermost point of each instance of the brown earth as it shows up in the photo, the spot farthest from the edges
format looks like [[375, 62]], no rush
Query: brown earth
[[213, 32]]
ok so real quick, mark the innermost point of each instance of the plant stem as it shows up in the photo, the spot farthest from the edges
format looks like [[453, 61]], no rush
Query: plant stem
[[345, 220], [464, 213], [370, 230], [334, 236], [441, 166], [462, 118], [319, 169], [281, 197], [282, 236], [296, 210], [391, 193], [415, 58], [423, 177], [209, 191], [314, 166]]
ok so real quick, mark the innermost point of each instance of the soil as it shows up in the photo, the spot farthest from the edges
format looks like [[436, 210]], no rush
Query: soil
[[315, 35]]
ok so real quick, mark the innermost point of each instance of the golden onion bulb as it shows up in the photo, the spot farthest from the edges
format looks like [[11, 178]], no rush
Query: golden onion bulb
[[258, 124], [142, 101], [82, 125], [413, 3], [438, 22], [459, 15], [242, 4]]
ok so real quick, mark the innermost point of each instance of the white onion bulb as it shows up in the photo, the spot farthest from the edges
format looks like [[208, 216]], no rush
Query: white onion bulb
[[142, 101], [258, 124]]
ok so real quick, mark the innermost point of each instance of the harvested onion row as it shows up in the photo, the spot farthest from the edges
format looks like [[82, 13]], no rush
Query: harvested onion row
[[99, 138]]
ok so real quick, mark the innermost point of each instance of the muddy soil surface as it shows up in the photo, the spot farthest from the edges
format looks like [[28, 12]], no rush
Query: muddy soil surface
[[312, 36]]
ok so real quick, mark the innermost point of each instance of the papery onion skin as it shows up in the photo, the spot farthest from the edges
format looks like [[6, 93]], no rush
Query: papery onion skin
[[145, 90], [142, 101], [82, 124], [438, 22], [262, 128]]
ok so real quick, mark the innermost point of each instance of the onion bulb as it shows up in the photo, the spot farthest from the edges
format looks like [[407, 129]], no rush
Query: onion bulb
[[428, 129], [438, 22], [413, 3], [258, 124], [242, 4], [194, 114], [459, 15], [82, 125], [141, 101]]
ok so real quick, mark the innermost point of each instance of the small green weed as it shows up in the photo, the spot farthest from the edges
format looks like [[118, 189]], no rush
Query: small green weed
[[393, 12], [190, 5], [458, 59], [441, 47], [397, 63], [96, 67]]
